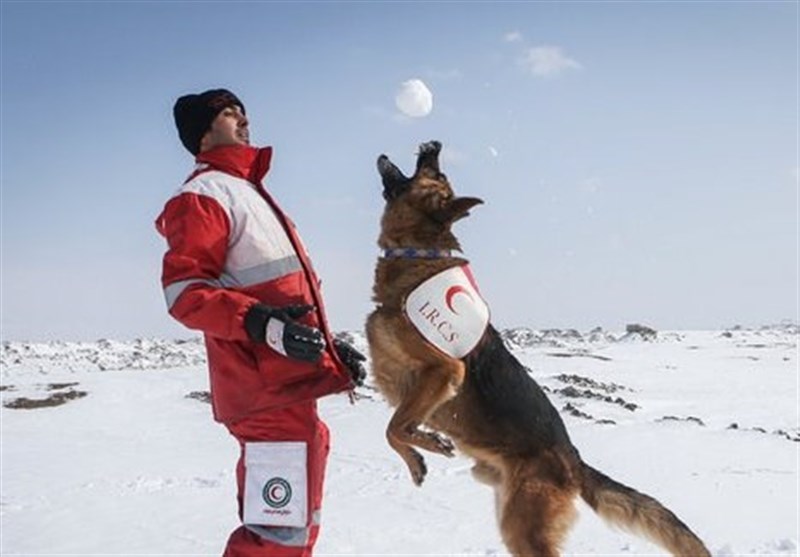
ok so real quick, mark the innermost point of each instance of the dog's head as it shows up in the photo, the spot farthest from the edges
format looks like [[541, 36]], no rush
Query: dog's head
[[420, 210]]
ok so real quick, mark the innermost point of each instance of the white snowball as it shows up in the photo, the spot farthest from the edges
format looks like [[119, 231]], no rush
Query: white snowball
[[414, 99]]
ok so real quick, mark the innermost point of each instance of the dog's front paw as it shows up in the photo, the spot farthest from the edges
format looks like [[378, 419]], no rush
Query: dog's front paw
[[433, 442], [417, 467], [444, 445]]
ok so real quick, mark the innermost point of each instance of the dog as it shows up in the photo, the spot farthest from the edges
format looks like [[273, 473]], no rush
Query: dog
[[479, 399]]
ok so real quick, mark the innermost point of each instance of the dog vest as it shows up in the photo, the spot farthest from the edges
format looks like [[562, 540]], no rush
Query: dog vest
[[448, 311]]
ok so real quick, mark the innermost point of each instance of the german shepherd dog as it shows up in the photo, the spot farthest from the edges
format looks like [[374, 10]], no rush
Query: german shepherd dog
[[485, 404]]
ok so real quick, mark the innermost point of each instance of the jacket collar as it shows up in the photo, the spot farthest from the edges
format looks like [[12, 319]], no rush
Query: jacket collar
[[243, 161]]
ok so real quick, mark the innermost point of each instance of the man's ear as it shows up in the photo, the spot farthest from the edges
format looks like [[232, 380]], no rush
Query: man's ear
[[457, 209]]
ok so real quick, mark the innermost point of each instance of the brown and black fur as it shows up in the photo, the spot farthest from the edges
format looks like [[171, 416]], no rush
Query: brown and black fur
[[486, 405]]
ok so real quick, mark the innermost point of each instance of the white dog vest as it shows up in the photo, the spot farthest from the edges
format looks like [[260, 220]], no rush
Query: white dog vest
[[449, 312]]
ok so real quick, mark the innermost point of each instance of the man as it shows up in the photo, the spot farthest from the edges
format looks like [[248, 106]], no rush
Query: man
[[236, 269]]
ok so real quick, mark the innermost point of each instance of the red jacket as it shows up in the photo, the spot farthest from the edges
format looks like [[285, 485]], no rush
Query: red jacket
[[230, 246]]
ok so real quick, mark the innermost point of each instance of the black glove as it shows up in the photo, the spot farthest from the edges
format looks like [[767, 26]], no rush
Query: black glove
[[277, 327], [353, 359]]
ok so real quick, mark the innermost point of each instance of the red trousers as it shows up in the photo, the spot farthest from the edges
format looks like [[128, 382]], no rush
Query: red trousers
[[298, 422]]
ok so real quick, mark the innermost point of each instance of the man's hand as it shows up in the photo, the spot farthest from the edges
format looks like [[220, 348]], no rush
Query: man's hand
[[353, 359], [279, 330]]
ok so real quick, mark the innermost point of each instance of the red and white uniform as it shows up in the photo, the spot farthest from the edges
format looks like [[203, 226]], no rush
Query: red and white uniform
[[229, 247]]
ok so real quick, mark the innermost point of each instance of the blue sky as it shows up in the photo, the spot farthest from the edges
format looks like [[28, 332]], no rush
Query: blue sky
[[647, 173]]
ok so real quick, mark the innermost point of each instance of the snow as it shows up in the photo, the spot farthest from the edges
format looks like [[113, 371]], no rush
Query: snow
[[135, 464], [414, 99]]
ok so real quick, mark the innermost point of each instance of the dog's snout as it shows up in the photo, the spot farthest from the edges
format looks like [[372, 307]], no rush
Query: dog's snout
[[429, 156], [431, 147]]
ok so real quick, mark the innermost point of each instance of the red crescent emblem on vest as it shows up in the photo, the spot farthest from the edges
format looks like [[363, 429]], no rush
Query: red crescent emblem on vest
[[451, 293]]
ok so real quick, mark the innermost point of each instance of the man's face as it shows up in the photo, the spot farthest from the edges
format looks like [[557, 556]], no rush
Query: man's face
[[228, 128]]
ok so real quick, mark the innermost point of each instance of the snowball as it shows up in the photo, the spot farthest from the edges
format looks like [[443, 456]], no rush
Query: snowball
[[414, 99]]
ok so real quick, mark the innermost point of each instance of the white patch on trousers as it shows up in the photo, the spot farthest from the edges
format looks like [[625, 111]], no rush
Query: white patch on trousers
[[276, 484]]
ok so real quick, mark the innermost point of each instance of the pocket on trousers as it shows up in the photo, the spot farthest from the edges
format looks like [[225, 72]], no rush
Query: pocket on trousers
[[276, 484]]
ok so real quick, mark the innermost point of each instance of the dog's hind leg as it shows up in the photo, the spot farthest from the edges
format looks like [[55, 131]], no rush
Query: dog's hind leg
[[434, 386], [535, 518], [487, 474]]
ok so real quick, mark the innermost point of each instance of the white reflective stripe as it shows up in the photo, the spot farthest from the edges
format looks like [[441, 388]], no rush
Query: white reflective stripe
[[266, 271], [237, 278], [283, 535], [172, 291]]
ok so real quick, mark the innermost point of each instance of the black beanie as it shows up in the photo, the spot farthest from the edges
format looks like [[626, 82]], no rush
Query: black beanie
[[194, 114]]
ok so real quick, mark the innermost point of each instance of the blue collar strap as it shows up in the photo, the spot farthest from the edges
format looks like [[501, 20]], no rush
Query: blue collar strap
[[415, 253]]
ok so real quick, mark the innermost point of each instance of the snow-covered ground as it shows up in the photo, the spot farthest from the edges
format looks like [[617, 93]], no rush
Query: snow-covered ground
[[108, 448]]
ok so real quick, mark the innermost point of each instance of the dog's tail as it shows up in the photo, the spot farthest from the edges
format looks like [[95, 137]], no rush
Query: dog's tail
[[638, 513]]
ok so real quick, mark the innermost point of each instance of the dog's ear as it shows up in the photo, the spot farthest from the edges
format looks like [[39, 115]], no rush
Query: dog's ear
[[395, 183], [456, 209], [428, 156]]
